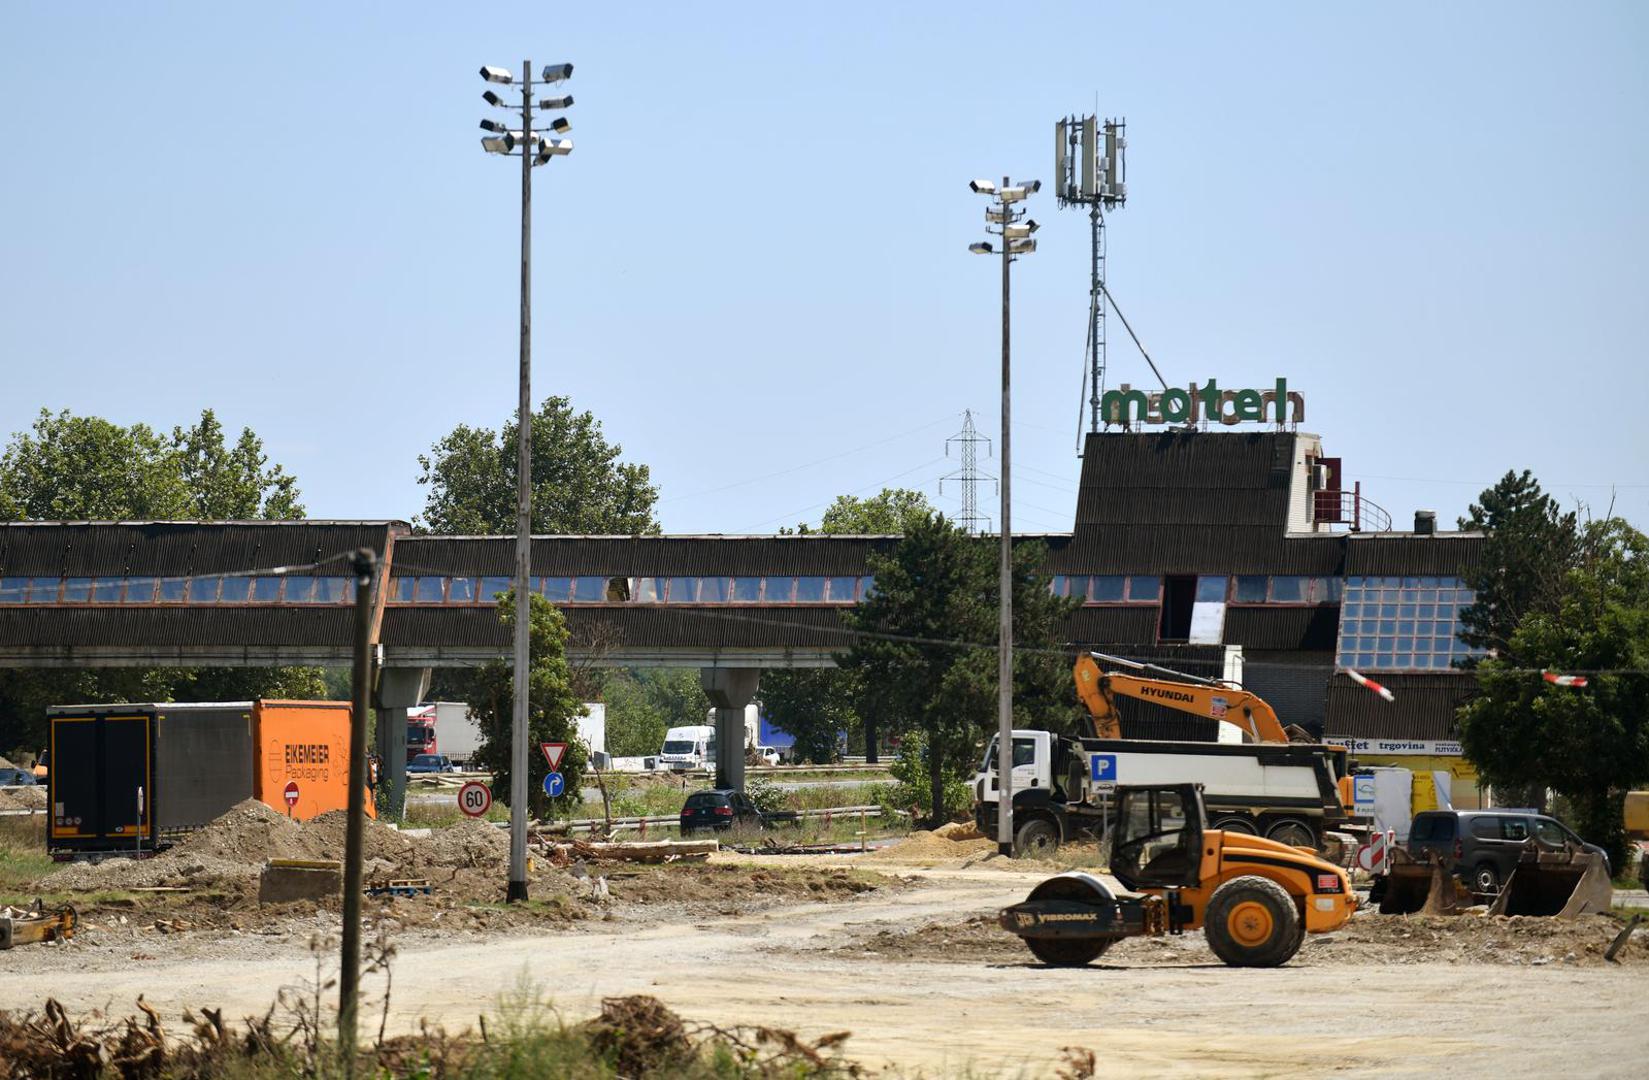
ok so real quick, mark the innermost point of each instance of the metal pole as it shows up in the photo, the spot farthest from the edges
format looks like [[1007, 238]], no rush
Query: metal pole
[[1004, 653], [523, 519], [365, 566], [1094, 316]]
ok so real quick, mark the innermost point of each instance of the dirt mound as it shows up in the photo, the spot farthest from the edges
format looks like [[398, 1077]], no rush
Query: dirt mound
[[324, 837], [23, 798], [925, 848], [248, 832], [960, 830], [469, 843]]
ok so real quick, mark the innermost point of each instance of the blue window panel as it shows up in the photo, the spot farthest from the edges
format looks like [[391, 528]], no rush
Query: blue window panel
[[77, 590], [1351, 611], [647, 590], [13, 590], [299, 590], [266, 590], [429, 590], [1077, 587], [809, 589], [712, 590], [842, 589], [867, 586], [172, 591], [106, 590], [333, 590], [1211, 590], [235, 590], [1147, 589], [746, 590], [683, 590], [1107, 590], [140, 590], [461, 590], [1056, 585], [1287, 589], [204, 590], [557, 590], [1365, 660], [494, 587], [401, 589], [589, 590], [1250, 589]]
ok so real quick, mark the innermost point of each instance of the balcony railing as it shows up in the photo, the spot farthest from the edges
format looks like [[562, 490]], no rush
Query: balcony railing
[[1350, 509]]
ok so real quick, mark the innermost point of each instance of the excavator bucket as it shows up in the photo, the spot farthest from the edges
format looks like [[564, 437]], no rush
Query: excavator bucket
[[1416, 887], [1566, 884]]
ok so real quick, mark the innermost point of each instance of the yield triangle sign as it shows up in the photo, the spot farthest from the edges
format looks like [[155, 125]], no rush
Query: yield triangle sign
[[553, 753]]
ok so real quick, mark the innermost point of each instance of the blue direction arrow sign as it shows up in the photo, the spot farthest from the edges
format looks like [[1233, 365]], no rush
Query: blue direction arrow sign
[[554, 784]]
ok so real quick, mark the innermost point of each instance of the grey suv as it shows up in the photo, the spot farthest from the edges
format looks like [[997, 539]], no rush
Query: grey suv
[[1481, 847]]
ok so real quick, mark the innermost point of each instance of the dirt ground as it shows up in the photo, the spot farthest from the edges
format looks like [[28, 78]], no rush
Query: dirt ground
[[906, 955]]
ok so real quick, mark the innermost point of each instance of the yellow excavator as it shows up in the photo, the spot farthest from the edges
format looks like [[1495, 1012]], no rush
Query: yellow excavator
[[1211, 698]]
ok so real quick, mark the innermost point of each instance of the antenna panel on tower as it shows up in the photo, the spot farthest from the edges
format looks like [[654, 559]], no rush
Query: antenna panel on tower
[[1089, 146]]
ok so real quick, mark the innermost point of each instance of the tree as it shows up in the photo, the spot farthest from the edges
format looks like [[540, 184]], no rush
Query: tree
[[579, 483], [927, 658], [85, 468], [78, 468], [818, 706], [1589, 743], [644, 703], [552, 709], [1529, 547]]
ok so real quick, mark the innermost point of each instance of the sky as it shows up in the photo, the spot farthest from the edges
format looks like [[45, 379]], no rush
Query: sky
[[753, 268]]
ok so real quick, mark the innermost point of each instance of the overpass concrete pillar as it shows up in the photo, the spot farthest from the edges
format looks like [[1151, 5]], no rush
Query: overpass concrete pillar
[[729, 691], [399, 689]]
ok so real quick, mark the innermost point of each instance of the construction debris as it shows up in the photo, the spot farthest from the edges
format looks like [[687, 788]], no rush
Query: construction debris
[[25, 926], [646, 851]]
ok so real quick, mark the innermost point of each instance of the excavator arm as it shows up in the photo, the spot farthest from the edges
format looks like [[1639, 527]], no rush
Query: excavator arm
[[1213, 700]]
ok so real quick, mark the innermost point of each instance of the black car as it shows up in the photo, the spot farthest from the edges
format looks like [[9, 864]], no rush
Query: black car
[[719, 809], [1481, 847]]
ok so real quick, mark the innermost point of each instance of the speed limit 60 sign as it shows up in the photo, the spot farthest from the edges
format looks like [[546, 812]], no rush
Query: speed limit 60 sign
[[475, 798]]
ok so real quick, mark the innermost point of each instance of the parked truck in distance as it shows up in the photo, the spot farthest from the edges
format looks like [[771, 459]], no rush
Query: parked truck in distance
[[1288, 792], [443, 727], [131, 778], [690, 747]]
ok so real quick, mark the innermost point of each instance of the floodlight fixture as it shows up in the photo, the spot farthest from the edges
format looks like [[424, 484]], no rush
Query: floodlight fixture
[[497, 75], [494, 125], [982, 187], [557, 147], [493, 99], [495, 144], [1021, 230], [551, 103], [554, 73], [560, 125], [983, 247], [1021, 247]]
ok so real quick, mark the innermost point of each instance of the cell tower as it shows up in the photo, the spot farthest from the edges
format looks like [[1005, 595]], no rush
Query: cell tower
[[969, 474], [1089, 171]]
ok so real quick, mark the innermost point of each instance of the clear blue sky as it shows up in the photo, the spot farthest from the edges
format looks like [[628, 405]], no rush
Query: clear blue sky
[[1430, 218]]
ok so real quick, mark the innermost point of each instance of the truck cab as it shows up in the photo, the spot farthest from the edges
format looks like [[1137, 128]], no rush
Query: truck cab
[[685, 748]]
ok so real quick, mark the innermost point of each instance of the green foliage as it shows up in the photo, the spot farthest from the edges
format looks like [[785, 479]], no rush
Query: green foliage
[[579, 485], [552, 709], [893, 512], [912, 771], [85, 468], [80, 468], [1528, 550], [643, 703], [815, 705], [1589, 743], [931, 664], [766, 795]]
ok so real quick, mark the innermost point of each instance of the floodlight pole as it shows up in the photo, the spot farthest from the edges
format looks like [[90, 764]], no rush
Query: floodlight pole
[[517, 889], [1004, 652]]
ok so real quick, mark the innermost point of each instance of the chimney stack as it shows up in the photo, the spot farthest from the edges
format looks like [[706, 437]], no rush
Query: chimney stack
[[1425, 522]]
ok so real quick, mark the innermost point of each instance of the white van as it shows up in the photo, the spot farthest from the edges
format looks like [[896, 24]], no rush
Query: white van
[[688, 748]]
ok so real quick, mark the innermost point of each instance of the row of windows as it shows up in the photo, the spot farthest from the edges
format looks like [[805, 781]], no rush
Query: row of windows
[[1211, 588], [197, 590], [1403, 624], [640, 590]]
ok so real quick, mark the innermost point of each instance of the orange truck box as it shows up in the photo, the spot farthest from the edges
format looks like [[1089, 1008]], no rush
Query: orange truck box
[[301, 757]]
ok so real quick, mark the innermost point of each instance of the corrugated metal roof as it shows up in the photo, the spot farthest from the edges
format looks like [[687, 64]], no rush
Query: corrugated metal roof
[[1451, 553], [1424, 706], [178, 548], [1314, 628], [1197, 549], [625, 556]]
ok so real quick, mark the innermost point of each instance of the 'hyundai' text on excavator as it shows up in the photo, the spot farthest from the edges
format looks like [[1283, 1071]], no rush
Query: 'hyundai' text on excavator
[[1272, 786]]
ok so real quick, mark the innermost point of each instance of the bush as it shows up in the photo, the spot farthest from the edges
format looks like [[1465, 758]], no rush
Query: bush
[[912, 787]]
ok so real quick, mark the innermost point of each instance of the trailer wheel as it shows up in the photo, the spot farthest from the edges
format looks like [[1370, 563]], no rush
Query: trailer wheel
[[1293, 832], [1037, 838], [1235, 823], [1252, 922]]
